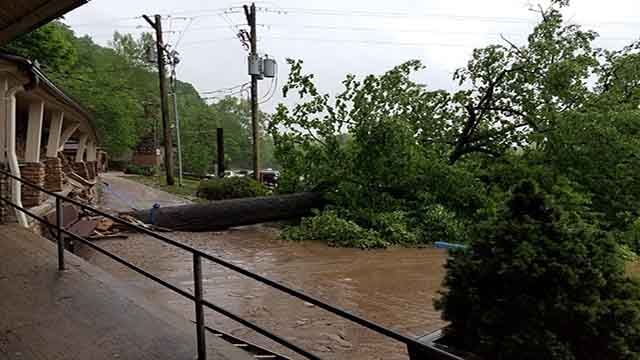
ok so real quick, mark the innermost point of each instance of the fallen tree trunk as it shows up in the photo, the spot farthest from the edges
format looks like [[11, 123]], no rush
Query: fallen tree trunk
[[220, 215]]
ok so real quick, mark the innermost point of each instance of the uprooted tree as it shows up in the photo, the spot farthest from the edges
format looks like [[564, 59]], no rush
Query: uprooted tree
[[415, 165]]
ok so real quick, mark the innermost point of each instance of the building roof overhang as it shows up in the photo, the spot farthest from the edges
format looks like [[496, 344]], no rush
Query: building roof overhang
[[23, 16]]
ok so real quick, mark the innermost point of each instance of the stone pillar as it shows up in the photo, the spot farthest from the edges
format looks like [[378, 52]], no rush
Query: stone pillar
[[81, 169], [54, 176], [33, 173]]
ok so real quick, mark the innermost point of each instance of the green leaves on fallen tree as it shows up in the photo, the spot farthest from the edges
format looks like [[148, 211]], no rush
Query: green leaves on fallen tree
[[554, 109]]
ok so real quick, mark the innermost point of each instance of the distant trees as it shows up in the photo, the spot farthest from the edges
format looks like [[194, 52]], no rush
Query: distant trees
[[120, 87]]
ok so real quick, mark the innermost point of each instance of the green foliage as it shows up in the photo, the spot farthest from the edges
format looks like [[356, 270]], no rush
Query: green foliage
[[336, 231], [436, 223], [199, 131], [539, 283], [444, 160], [51, 45], [120, 88], [139, 170], [230, 188]]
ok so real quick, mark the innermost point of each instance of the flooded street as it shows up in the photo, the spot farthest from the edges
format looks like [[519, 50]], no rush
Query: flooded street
[[394, 287]]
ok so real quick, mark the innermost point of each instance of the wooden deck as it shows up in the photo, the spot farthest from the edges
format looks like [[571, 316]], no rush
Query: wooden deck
[[83, 313]]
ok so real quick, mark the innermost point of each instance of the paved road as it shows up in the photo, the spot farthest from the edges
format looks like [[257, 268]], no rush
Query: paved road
[[121, 194], [82, 313]]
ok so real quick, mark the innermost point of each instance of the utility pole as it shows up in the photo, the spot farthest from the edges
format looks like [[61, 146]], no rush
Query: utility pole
[[174, 87], [177, 117], [164, 98], [250, 13]]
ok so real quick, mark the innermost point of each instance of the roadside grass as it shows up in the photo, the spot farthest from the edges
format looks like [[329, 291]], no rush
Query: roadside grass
[[187, 190]]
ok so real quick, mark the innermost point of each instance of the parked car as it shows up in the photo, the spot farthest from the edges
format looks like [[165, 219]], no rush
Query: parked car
[[243, 173], [269, 177]]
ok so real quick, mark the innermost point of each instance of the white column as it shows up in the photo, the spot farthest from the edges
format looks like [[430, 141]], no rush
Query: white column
[[82, 146], [54, 134], [34, 131], [92, 151], [12, 158], [67, 133], [4, 87]]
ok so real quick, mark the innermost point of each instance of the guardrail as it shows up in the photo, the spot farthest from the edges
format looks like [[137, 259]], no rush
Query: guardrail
[[197, 297]]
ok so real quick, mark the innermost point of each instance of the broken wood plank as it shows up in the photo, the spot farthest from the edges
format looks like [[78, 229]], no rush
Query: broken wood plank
[[104, 224], [83, 227]]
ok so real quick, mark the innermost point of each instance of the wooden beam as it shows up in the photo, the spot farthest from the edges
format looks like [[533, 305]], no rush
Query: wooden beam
[[54, 134], [82, 147], [67, 134], [34, 131]]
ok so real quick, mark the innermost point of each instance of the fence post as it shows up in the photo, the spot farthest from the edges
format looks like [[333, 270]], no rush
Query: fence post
[[200, 327], [60, 238]]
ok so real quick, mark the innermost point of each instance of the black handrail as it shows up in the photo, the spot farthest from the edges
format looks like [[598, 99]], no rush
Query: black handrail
[[197, 296]]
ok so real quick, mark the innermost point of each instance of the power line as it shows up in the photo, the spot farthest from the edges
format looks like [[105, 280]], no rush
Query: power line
[[184, 31], [200, 42], [225, 89], [386, 14], [398, 14], [382, 29], [370, 42]]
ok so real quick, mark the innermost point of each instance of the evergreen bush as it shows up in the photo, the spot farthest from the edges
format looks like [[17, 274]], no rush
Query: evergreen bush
[[539, 283]]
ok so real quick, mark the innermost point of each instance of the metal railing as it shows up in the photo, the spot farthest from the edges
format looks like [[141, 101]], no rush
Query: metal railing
[[197, 297]]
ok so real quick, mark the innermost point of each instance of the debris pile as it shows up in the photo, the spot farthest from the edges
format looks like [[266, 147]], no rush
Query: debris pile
[[92, 227]]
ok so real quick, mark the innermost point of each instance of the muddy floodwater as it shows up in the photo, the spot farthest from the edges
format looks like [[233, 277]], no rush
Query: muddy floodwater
[[393, 287]]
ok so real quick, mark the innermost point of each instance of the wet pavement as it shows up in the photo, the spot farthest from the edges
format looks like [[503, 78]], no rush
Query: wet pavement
[[83, 312], [393, 287]]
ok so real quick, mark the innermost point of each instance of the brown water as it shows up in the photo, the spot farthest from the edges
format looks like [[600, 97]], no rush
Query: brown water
[[393, 287]]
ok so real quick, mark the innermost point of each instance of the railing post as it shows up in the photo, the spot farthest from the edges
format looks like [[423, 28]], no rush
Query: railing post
[[60, 238], [200, 326]]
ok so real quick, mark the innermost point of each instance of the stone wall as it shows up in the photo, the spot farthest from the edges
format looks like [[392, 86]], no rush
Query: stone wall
[[33, 173], [146, 159], [54, 176]]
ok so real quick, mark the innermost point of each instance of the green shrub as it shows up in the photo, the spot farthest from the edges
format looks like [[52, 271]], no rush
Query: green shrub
[[437, 223], [139, 170], [541, 284], [394, 228], [230, 188], [328, 226]]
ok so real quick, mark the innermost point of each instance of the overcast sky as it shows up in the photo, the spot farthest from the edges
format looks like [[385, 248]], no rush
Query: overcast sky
[[339, 37]]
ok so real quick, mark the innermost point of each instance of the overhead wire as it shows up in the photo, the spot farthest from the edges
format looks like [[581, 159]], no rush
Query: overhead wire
[[184, 31], [272, 90], [225, 89]]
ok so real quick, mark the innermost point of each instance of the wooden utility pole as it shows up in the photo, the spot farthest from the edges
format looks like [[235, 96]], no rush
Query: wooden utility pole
[[164, 98], [250, 13]]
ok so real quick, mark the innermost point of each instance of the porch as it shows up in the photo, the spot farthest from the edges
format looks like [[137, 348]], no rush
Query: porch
[[37, 119]]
